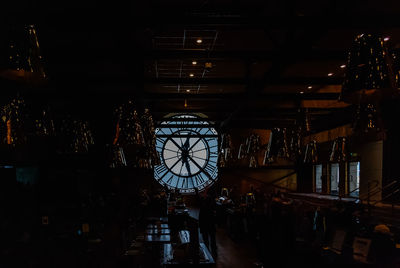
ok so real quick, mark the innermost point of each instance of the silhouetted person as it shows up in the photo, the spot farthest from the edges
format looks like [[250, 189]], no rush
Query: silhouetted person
[[207, 222]]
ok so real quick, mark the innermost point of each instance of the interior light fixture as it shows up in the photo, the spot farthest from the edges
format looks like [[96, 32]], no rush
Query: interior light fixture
[[387, 38], [301, 92], [343, 66], [199, 41], [194, 62], [309, 87], [330, 74], [191, 75], [187, 90]]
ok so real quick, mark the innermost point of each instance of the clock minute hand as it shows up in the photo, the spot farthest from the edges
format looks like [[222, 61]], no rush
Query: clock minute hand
[[188, 167], [186, 145]]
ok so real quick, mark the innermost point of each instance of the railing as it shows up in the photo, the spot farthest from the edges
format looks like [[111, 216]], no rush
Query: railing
[[272, 183], [395, 190], [374, 188]]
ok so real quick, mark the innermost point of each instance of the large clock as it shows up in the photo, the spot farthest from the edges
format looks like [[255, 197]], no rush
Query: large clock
[[188, 148]]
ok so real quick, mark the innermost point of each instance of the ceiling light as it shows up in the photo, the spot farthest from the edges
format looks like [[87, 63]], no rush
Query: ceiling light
[[191, 75], [199, 41], [309, 87], [343, 66], [187, 90], [386, 38], [194, 62], [301, 92], [330, 74]]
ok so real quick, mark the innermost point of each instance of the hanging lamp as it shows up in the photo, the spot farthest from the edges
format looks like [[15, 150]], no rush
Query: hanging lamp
[[369, 75], [23, 60]]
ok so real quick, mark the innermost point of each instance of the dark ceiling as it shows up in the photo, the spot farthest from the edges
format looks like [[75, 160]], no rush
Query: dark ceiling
[[269, 58]]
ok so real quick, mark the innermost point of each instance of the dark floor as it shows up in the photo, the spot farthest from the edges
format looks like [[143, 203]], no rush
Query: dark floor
[[234, 254], [231, 254]]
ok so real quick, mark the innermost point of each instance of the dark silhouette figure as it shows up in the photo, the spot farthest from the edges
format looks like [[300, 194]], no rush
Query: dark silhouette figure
[[207, 222]]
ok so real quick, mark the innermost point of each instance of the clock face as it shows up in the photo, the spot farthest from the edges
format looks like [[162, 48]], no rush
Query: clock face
[[188, 147]]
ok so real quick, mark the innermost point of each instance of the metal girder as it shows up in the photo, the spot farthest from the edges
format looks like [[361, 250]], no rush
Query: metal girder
[[242, 81], [240, 96], [271, 55]]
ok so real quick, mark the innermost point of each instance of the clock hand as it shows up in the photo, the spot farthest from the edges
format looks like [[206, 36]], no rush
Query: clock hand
[[176, 144], [186, 145], [188, 167]]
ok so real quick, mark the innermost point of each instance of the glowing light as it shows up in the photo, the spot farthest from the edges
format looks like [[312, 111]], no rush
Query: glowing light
[[199, 41], [343, 66], [330, 74], [191, 75], [301, 92], [187, 90], [194, 62], [309, 87], [387, 38]]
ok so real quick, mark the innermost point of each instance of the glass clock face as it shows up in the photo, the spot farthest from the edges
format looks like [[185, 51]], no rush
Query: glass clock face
[[188, 148]]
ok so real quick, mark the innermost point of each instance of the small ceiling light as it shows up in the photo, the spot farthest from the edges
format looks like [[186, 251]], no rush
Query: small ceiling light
[[191, 75], [199, 41], [330, 74], [194, 62], [309, 87], [187, 90], [343, 66], [301, 92], [387, 38]]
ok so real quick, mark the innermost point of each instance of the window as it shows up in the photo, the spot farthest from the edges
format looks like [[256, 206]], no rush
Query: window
[[188, 148], [318, 178], [354, 178], [334, 178]]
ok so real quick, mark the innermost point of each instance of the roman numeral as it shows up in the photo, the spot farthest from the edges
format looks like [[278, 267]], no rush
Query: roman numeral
[[169, 180], [199, 179], [210, 169], [213, 154], [160, 169], [160, 140]]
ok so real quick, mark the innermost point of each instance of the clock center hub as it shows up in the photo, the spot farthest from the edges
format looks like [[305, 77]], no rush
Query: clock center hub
[[185, 154]]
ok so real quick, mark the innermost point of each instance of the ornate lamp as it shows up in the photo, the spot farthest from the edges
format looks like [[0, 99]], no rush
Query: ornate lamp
[[82, 136], [277, 146], [339, 151], [310, 153], [226, 150], [253, 147], [24, 61], [13, 122], [45, 124], [129, 135], [369, 75], [150, 138]]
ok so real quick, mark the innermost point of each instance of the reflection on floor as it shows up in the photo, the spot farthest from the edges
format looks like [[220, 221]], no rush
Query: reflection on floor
[[234, 254]]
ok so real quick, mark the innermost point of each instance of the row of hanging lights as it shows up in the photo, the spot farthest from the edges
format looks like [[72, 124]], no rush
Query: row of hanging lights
[[133, 143], [372, 76]]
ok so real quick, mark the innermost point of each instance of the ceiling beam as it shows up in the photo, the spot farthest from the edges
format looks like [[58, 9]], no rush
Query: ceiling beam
[[243, 81], [241, 96], [189, 54]]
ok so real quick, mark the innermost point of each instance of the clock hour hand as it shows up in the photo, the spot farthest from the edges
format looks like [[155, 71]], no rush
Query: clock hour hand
[[188, 167], [185, 154]]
